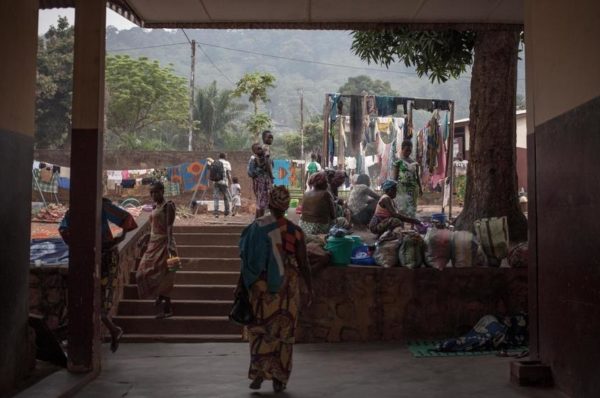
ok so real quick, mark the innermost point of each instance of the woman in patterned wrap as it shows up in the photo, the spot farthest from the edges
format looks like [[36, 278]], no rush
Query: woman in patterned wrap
[[154, 278], [273, 255]]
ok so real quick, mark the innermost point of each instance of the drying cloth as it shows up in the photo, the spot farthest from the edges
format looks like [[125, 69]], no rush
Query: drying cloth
[[357, 123], [281, 172], [51, 251], [50, 186]]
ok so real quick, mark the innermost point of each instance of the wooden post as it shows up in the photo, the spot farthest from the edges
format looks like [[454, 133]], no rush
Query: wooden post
[[86, 186], [451, 159], [326, 112]]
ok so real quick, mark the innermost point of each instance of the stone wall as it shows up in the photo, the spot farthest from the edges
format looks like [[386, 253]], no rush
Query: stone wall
[[374, 303], [124, 160], [48, 285]]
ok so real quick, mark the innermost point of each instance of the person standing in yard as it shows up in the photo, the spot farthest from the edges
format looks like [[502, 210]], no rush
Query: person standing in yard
[[109, 268], [155, 275], [312, 168], [236, 196], [220, 175], [273, 253], [259, 170], [407, 174]]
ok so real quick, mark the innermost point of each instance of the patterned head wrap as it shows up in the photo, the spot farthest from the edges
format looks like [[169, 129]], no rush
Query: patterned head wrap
[[388, 185], [319, 180], [279, 198]]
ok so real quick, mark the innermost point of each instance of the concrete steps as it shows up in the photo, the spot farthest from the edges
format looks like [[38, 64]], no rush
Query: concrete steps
[[180, 338], [216, 239], [211, 264], [202, 295], [189, 292], [143, 324], [201, 277], [134, 307], [211, 251]]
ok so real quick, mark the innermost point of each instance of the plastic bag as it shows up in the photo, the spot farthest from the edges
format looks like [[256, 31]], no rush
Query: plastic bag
[[411, 252], [386, 249], [493, 236], [464, 249], [437, 253]]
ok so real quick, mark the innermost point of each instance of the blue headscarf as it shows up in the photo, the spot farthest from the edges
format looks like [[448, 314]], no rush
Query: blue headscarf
[[388, 185]]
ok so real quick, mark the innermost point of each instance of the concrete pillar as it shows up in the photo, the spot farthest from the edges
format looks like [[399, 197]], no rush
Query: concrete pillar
[[563, 142], [86, 187], [18, 46]]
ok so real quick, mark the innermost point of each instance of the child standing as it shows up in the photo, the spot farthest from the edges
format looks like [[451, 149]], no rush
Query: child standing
[[236, 196]]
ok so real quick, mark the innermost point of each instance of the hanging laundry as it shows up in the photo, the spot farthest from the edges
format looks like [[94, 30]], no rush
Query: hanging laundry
[[386, 106], [65, 172], [64, 183], [442, 105], [433, 144], [333, 111], [384, 129], [128, 183], [423, 104], [371, 105], [46, 175], [357, 118], [281, 172], [50, 186]]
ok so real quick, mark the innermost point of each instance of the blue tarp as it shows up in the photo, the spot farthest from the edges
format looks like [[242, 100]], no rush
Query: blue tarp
[[50, 251]]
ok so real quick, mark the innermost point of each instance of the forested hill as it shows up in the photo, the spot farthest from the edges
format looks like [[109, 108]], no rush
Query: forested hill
[[217, 59]]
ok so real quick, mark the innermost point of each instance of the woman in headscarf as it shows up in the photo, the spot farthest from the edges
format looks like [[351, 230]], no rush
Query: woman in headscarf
[[273, 253], [318, 208], [387, 217], [406, 173], [154, 276], [362, 200]]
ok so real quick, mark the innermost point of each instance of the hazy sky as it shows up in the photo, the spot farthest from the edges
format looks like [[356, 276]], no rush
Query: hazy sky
[[49, 17]]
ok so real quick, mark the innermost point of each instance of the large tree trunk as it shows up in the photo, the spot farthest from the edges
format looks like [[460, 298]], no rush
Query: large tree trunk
[[492, 172]]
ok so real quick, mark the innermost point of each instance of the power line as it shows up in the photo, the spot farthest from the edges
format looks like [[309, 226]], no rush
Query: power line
[[311, 61], [200, 44], [214, 65], [186, 36], [142, 48]]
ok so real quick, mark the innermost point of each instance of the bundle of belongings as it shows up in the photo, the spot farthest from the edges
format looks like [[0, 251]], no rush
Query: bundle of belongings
[[399, 248], [440, 247], [491, 333]]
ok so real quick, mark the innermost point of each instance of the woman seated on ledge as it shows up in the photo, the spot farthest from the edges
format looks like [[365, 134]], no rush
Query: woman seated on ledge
[[318, 208], [362, 200], [387, 217]]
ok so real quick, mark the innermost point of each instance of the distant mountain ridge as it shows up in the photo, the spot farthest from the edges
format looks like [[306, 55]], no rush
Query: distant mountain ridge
[[315, 48]]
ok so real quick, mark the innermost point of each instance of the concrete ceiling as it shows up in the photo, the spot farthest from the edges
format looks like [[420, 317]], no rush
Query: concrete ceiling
[[312, 14], [322, 13]]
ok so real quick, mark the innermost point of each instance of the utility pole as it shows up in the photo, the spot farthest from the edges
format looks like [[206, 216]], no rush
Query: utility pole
[[302, 138], [192, 78]]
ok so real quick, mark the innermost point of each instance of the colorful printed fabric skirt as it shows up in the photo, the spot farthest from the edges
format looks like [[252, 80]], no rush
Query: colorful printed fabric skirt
[[379, 225], [262, 187], [314, 228], [272, 334], [153, 275], [109, 270]]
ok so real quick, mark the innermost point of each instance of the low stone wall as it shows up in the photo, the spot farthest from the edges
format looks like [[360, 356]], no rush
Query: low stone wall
[[127, 160], [48, 285], [374, 303]]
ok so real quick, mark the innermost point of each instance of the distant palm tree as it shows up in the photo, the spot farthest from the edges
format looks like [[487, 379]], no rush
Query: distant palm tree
[[214, 111]]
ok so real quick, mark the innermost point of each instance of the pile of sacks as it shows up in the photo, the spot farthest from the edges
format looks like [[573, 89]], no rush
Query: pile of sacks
[[441, 247]]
